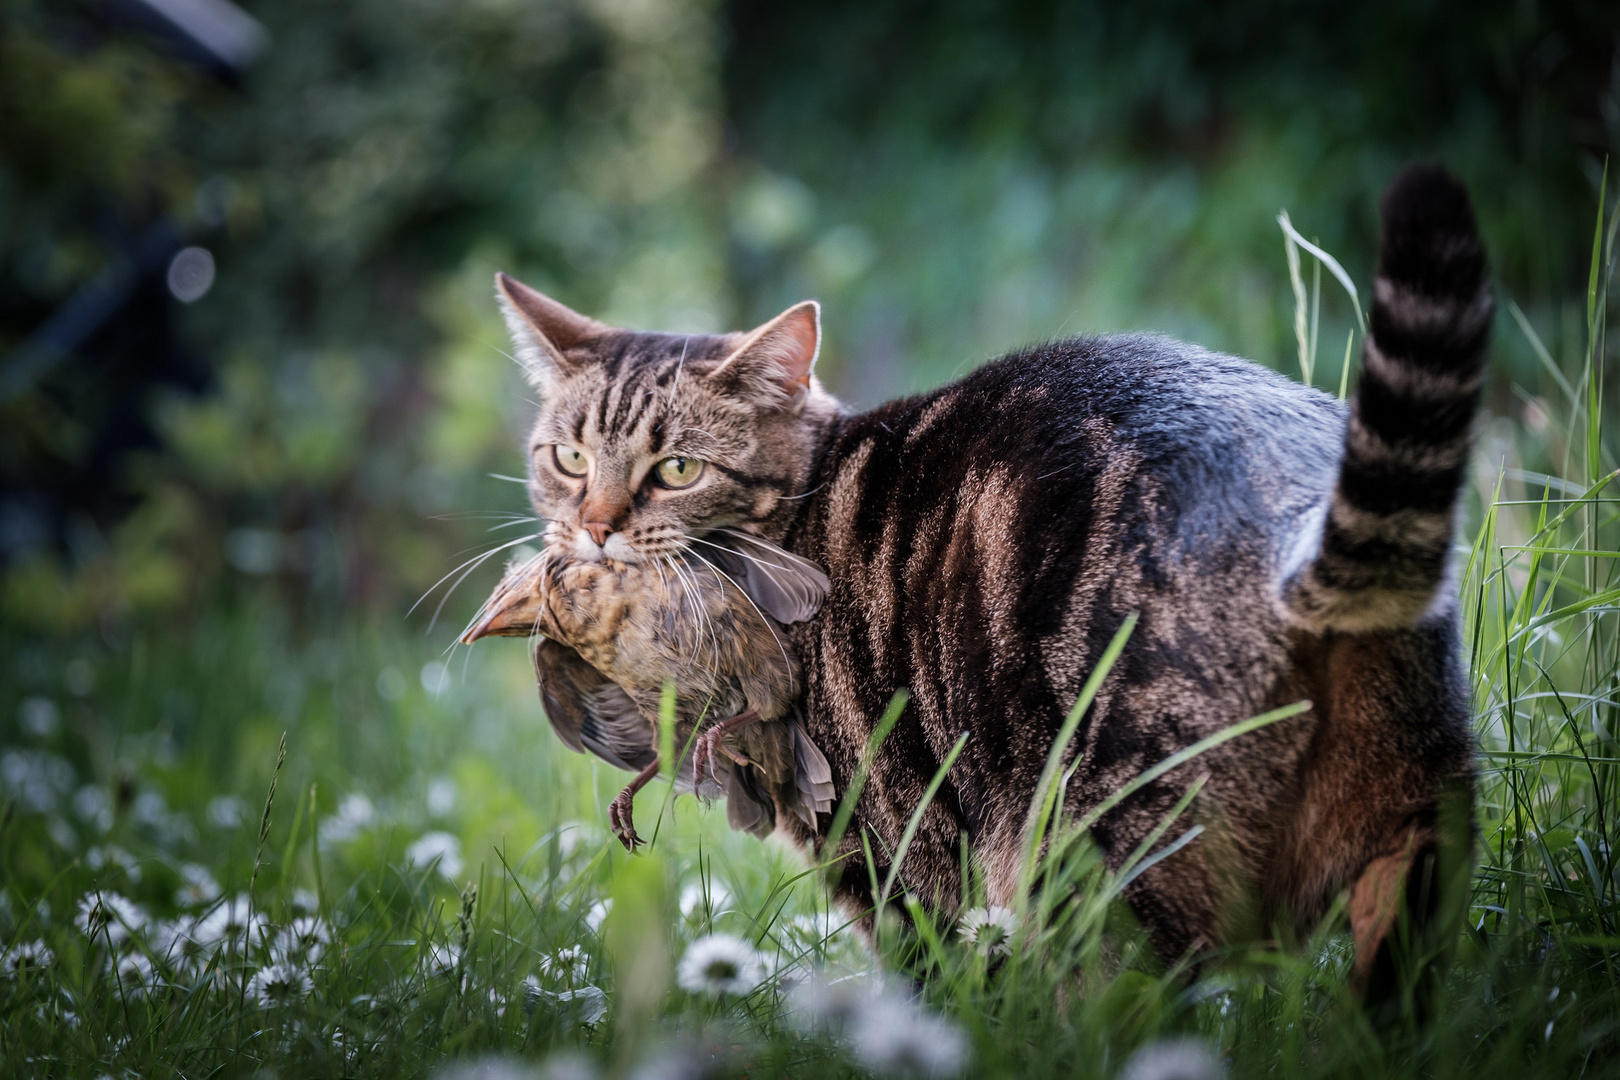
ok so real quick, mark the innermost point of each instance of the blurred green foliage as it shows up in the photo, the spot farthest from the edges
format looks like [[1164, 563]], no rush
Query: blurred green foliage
[[371, 173], [950, 179], [973, 175]]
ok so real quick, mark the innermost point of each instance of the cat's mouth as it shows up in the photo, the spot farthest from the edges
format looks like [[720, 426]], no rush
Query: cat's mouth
[[571, 543]]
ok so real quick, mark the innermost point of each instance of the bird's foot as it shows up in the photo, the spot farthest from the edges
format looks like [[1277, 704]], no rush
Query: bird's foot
[[621, 817], [703, 756], [621, 811], [709, 745]]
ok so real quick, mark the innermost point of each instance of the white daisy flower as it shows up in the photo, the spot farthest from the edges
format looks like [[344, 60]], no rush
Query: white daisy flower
[[489, 1067], [200, 887], [989, 930], [1173, 1059], [816, 1004], [692, 899], [305, 902], [279, 984], [569, 966], [37, 780], [26, 958], [441, 796], [443, 958], [226, 812], [354, 815], [171, 940], [720, 964], [303, 941], [818, 928], [680, 1060], [57, 1016], [566, 1066], [598, 912], [136, 975], [93, 804], [112, 857], [106, 916], [231, 921], [439, 850], [897, 1037]]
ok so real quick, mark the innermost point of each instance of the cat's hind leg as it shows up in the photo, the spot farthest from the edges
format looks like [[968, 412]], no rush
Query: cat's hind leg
[[1384, 804]]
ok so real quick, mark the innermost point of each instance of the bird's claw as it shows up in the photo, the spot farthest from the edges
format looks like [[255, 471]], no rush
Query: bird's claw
[[706, 751], [621, 818]]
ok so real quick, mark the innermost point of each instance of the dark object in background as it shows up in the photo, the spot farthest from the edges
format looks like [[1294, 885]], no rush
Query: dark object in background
[[214, 35], [78, 391]]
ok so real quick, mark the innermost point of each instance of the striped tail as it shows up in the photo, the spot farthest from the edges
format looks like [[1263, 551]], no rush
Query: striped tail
[[1386, 540]]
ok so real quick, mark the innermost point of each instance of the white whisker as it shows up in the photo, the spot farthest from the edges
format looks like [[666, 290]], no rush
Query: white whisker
[[805, 495], [700, 616], [679, 365], [474, 563], [763, 618], [740, 554], [509, 524]]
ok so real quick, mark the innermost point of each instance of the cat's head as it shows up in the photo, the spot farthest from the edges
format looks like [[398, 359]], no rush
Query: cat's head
[[647, 440]]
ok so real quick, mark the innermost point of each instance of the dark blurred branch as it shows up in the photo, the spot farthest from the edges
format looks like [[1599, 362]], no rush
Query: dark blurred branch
[[215, 35], [87, 311]]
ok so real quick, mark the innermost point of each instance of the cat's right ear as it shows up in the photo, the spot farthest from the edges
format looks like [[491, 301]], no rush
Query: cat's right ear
[[542, 330]]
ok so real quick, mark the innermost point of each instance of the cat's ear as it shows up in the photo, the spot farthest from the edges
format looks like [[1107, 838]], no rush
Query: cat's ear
[[772, 364], [543, 330]]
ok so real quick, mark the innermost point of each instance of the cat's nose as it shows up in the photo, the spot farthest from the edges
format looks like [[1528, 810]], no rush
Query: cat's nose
[[599, 530]]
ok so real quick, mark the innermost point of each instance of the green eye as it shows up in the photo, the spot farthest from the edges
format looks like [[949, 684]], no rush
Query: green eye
[[679, 472], [570, 462]]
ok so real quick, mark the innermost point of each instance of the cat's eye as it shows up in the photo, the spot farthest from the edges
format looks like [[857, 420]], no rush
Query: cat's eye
[[679, 472], [570, 462]]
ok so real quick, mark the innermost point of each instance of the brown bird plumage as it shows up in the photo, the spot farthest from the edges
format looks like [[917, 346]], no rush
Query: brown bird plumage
[[610, 635]]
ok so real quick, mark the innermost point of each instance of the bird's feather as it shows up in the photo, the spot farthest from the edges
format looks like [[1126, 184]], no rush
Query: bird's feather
[[786, 587], [812, 776], [590, 712]]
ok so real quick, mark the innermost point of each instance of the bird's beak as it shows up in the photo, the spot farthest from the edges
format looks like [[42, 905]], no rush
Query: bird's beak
[[512, 611]]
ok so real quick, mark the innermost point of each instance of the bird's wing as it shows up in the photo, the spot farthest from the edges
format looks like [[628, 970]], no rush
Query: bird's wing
[[812, 776], [590, 712], [786, 587], [748, 809]]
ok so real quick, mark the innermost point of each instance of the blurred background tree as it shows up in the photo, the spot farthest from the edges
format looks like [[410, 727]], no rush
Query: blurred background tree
[[300, 414]]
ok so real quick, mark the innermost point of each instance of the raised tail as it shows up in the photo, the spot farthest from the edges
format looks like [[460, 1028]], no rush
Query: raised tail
[[1384, 544]]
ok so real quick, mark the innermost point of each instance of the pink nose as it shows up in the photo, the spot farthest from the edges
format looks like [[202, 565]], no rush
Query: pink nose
[[599, 531]]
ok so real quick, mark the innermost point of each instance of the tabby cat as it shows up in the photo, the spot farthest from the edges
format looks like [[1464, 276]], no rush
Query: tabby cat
[[986, 540]]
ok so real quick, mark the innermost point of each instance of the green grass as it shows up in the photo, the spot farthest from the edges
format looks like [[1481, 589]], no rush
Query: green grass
[[454, 855]]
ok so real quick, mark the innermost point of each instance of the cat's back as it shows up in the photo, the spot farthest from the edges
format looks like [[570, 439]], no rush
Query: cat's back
[[1200, 451]]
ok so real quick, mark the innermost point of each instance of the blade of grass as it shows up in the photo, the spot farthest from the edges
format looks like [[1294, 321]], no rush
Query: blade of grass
[[1292, 236], [917, 816], [863, 768], [1046, 789], [1344, 369], [1301, 328], [1181, 757], [1540, 350]]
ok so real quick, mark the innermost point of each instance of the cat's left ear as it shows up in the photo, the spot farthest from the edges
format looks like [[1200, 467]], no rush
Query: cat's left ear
[[772, 365]]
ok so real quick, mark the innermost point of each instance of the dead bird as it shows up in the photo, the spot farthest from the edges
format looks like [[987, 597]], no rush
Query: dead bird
[[610, 635]]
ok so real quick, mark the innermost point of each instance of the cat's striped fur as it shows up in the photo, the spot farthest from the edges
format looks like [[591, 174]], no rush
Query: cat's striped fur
[[986, 540]]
